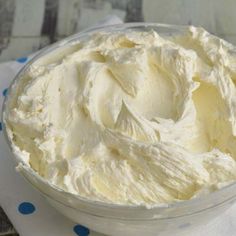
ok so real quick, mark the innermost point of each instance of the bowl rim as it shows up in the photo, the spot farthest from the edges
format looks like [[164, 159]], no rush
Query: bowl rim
[[70, 40]]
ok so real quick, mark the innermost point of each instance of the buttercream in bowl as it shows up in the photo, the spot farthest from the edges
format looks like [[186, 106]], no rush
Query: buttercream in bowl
[[130, 118]]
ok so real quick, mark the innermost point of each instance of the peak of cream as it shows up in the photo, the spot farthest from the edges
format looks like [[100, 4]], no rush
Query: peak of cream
[[130, 118]]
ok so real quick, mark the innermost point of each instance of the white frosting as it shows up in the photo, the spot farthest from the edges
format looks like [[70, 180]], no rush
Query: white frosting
[[131, 118]]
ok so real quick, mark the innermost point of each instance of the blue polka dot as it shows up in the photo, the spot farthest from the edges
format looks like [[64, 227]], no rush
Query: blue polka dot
[[26, 208], [0, 126], [4, 92], [22, 59], [81, 230]]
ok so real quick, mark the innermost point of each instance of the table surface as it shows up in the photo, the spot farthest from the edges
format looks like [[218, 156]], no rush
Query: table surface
[[6, 228]]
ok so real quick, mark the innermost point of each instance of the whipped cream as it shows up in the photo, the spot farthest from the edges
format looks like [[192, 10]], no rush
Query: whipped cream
[[130, 118]]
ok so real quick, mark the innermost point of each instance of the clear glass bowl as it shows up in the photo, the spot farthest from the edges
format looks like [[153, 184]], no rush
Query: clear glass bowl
[[109, 218]]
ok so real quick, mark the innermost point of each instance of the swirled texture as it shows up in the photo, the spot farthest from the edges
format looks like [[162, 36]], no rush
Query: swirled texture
[[131, 118]]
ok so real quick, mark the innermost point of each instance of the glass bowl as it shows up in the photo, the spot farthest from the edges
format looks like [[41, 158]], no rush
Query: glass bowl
[[110, 218]]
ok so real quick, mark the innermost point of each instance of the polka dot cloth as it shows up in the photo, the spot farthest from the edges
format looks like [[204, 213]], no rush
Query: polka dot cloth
[[22, 59], [81, 230], [26, 208]]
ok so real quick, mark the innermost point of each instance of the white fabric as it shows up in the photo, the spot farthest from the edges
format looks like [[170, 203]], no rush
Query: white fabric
[[46, 220]]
